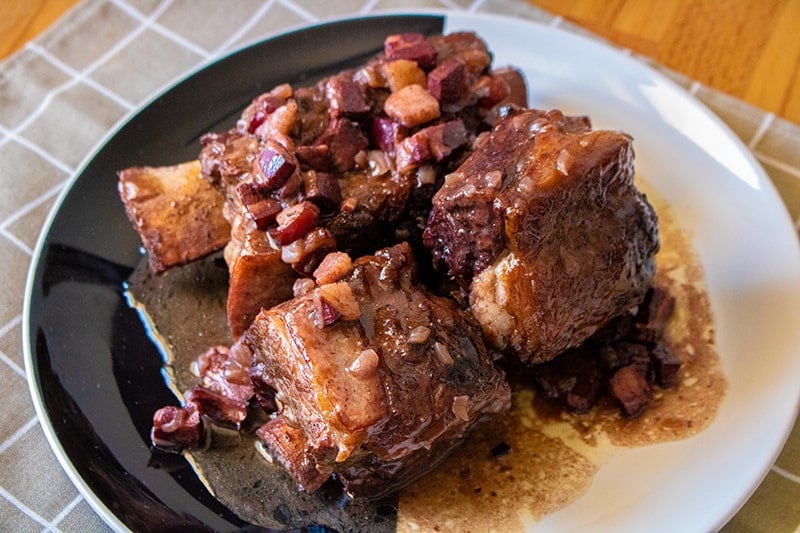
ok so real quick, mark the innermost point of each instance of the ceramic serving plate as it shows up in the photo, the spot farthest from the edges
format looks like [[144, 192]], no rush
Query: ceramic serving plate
[[95, 376]]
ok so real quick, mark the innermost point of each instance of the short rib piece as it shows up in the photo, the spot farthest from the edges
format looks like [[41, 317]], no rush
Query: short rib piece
[[177, 214], [545, 226], [381, 392]]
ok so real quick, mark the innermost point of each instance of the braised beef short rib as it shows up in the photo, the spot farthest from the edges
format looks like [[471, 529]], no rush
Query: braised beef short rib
[[362, 373], [361, 152], [177, 214], [377, 379], [545, 226]]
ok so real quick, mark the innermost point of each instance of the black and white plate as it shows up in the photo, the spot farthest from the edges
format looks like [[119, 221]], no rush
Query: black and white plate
[[95, 376]]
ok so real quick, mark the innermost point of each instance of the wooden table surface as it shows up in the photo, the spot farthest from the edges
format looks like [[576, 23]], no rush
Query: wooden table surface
[[747, 48]]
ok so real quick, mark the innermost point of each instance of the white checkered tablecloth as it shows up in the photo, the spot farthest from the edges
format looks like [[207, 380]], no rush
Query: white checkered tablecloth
[[64, 91]]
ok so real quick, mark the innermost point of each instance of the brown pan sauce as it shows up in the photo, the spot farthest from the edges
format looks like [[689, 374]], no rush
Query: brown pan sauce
[[525, 466]]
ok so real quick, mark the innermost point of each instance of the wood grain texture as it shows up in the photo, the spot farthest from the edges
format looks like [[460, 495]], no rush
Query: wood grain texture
[[22, 20], [747, 48]]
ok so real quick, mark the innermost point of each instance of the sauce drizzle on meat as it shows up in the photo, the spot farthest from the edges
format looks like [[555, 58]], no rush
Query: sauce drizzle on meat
[[531, 463], [350, 368], [553, 455]]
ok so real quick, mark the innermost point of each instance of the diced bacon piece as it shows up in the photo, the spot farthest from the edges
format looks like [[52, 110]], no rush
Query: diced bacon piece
[[333, 267], [314, 157], [294, 222], [402, 72], [274, 168], [305, 254], [344, 139], [465, 45], [667, 365], [394, 42], [264, 212], [449, 82], [224, 370], [386, 134], [431, 143], [413, 46], [345, 97], [263, 106], [490, 91], [412, 106], [412, 152], [323, 189], [654, 313], [515, 84], [630, 387], [279, 123], [573, 378], [217, 405], [177, 427], [262, 209], [444, 138]]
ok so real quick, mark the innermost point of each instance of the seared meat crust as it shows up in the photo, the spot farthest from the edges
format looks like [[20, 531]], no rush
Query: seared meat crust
[[544, 224], [367, 376], [382, 398], [177, 214]]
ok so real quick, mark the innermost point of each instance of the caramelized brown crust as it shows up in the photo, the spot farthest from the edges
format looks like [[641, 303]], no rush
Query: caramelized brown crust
[[545, 224], [383, 393], [177, 214], [375, 379], [257, 276]]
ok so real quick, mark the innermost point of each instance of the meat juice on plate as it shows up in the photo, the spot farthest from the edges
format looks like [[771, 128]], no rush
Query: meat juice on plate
[[425, 152], [540, 458], [532, 462]]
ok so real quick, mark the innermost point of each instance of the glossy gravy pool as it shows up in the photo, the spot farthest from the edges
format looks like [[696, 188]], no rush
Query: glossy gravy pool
[[531, 463]]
